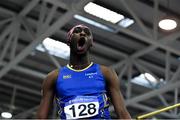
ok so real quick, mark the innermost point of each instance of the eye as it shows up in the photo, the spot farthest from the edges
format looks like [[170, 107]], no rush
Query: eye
[[87, 31], [77, 30]]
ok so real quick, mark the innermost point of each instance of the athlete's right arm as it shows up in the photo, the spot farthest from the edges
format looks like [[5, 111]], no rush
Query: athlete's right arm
[[47, 95]]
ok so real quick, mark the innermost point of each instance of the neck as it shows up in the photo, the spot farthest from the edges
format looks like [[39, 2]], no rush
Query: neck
[[79, 61]]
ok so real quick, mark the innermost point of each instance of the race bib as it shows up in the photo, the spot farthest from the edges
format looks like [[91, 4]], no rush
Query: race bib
[[81, 107]]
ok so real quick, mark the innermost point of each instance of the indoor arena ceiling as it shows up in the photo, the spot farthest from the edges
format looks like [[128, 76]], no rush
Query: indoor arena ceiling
[[139, 48]]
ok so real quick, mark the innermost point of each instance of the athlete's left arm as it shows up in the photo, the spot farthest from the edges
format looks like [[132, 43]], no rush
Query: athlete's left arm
[[115, 93]]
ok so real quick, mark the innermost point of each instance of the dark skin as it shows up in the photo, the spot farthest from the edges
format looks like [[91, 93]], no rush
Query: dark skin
[[79, 59]]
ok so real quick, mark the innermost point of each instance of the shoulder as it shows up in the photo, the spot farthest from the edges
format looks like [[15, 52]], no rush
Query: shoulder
[[49, 81], [109, 74], [53, 74], [106, 71], [51, 78]]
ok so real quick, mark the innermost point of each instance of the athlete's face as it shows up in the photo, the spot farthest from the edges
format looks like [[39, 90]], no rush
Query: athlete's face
[[81, 40]]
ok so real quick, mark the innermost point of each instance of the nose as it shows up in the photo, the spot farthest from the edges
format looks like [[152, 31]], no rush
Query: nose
[[82, 33]]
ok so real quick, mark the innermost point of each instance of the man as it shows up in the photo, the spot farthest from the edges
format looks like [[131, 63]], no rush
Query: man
[[82, 89]]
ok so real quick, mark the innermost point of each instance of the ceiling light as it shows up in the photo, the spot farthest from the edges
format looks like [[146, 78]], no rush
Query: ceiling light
[[126, 22], [6, 115], [55, 48], [103, 13], [94, 23], [146, 80], [150, 77], [167, 24]]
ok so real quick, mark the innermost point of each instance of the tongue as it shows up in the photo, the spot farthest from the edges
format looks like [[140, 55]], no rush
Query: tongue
[[80, 48]]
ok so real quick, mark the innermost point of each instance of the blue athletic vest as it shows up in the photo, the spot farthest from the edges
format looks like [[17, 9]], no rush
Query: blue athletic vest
[[82, 93]]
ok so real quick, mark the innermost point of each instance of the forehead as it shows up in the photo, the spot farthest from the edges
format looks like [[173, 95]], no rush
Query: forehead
[[80, 26], [72, 29]]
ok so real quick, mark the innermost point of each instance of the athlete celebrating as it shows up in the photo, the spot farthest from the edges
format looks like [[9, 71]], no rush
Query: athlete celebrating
[[82, 88]]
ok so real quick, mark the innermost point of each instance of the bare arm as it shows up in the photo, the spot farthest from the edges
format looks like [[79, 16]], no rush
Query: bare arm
[[115, 94], [47, 95]]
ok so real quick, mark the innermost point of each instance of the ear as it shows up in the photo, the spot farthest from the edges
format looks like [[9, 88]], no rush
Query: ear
[[91, 43]]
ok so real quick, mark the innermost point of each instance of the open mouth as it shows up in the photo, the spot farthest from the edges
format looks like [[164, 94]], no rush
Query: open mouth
[[81, 42]]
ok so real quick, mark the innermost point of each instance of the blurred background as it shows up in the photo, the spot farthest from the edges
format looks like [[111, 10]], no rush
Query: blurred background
[[137, 38]]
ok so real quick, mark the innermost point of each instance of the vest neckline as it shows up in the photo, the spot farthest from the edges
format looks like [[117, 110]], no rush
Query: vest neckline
[[80, 70]]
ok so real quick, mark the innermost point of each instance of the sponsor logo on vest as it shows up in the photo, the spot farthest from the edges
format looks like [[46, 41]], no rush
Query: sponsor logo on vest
[[90, 75], [66, 76]]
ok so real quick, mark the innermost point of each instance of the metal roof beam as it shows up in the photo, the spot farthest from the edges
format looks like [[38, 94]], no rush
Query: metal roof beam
[[139, 22], [167, 87], [3, 82], [58, 3], [53, 28], [26, 70], [59, 23], [29, 7], [162, 43]]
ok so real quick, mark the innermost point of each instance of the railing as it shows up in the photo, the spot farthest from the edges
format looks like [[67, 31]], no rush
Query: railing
[[157, 111]]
